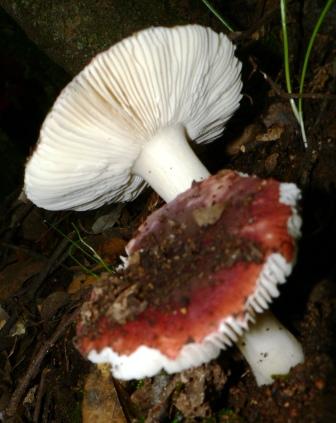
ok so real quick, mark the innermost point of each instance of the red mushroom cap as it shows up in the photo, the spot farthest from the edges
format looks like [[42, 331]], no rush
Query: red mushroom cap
[[198, 269]]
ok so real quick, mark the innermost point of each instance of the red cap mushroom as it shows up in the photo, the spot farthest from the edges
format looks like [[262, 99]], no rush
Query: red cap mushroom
[[198, 270]]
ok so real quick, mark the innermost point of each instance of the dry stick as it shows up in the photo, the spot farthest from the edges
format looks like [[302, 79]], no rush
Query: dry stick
[[46, 407], [238, 36], [36, 363], [40, 394], [284, 94], [25, 250], [57, 257]]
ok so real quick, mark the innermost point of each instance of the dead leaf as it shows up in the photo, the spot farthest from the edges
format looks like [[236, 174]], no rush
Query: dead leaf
[[29, 399], [249, 134], [107, 221], [101, 402], [5, 380], [111, 248], [279, 114], [19, 328], [272, 134], [193, 398], [271, 162], [16, 274], [33, 226], [81, 280], [3, 317], [321, 77], [52, 304]]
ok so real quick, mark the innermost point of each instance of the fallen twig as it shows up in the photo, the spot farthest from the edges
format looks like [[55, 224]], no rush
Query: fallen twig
[[239, 36], [40, 393], [57, 257], [281, 93], [36, 363]]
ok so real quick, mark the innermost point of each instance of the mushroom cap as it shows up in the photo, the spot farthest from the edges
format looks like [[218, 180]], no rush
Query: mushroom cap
[[94, 133], [198, 270]]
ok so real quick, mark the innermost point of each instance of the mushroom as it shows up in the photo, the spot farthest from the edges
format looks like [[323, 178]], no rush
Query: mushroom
[[198, 270], [126, 120], [128, 116]]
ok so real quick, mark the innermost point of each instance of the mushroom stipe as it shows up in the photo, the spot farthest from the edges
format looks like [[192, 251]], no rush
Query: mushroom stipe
[[198, 270]]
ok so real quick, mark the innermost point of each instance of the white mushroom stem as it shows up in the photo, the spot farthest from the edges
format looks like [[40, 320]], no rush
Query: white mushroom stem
[[270, 349], [169, 165]]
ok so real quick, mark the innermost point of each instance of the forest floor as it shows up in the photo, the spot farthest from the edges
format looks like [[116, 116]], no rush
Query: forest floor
[[45, 276]]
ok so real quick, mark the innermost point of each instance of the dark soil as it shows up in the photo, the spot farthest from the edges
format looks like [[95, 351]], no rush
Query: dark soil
[[44, 277]]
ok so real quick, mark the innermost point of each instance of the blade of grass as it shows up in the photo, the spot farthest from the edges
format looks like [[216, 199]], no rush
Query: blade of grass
[[84, 268], [95, 255], [218, 15], [286, 57], [297, 107], [75, 243], [316, 29]]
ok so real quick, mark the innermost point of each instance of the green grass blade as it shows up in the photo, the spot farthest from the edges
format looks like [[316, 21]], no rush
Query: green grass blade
[[94, 255], [81, 245], [84, 268], [285, 45], [74, 243], [218, 15], [316, 29], [286, 58]]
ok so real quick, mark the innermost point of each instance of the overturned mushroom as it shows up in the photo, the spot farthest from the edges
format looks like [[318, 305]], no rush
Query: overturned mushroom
[[198, 270], [128, 115]]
